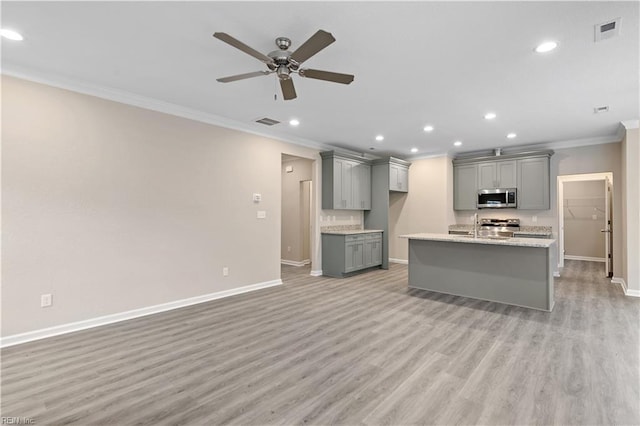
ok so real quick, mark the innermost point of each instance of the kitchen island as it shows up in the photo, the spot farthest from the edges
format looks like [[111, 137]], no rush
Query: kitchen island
[[515, 271]]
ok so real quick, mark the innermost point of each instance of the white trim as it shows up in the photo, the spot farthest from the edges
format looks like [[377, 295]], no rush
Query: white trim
[[400, 261], [153, 104], [295, 262], [585, 258], [556, 274], [57, 330], [630, 124], [561, 179], [625, 289], [316, 273]]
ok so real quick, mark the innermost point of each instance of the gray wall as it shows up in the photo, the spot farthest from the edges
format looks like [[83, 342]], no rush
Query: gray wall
[[584, 217], [111, 207], [292, 225]]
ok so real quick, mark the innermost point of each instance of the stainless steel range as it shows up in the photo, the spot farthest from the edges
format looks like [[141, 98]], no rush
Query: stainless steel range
[[498, 227]]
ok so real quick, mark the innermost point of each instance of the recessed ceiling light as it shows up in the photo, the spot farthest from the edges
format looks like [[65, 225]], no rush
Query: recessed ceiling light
[[294, 122], [547, 46], [414, 150], [490, 116], [511, 135], [457, 143], [379, 138], [428, 128], [11, 35]]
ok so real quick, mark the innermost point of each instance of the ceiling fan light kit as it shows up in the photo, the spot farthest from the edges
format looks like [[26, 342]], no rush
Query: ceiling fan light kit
[[283, 63]]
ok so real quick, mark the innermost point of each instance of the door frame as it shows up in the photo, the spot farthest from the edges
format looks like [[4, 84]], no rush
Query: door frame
[[604, 176]]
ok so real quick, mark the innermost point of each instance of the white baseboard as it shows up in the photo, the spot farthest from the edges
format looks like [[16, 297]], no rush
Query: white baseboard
[[625, 289], [317, 273], [57, 330], [401, 261], [295, 262], [585, 258]]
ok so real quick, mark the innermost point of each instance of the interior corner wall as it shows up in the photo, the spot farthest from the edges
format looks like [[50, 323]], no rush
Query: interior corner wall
[[631, 210], [110, 207], [291, 244], [426, 207]]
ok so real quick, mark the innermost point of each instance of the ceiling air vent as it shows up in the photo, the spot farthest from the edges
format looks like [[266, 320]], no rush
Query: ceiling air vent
[[598, 110], [267, 121], [607, 30]]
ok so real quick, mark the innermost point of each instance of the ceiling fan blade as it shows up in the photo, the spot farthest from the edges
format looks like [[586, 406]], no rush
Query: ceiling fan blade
[[240, 45], [288, 91], [334, 77], [316, 43], [242, 76]]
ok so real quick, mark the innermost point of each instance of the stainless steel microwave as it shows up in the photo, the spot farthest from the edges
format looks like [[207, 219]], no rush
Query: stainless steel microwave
[[501, 198]]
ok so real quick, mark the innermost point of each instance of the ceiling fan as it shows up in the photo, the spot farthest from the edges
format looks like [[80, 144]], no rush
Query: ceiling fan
[[284, 63]]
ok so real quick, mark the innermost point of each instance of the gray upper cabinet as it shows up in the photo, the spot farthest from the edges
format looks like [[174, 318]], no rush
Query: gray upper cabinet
[[465, 186], [346, 182], [527, 171], [398, 177], [498, 174], [533, 183]]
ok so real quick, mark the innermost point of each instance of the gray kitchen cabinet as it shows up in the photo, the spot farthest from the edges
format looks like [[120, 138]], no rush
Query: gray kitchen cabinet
[[465, 187], [398, 177], [346, 254], [346, 182], [362, 187], [533, 183], [497, 174], [528, 172]]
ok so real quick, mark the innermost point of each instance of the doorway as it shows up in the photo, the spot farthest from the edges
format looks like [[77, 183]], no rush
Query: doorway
[[585, 204], [296, 220]]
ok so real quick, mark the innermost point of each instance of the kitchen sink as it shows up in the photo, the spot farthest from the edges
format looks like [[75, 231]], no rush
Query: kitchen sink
[[496, 237]]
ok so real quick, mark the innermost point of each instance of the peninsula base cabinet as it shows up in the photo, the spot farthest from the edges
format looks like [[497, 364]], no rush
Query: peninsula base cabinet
[[344, 255]]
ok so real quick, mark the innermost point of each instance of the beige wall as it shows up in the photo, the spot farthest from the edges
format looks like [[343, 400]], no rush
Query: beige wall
[[427, 207], [631, 205], [110, 207], [584, 217], [292, 238]]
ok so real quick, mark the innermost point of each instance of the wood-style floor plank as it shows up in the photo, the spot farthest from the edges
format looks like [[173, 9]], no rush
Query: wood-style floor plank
[[364, 350]]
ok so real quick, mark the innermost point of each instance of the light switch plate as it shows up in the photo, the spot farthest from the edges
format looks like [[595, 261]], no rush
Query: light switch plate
[[262, 214]]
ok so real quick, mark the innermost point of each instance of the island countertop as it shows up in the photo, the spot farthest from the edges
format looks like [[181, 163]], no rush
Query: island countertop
[[501, 241], [351, 231]]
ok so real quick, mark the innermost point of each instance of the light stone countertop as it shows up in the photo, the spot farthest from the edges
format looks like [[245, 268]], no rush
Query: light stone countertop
[[521, 242], [351, 231]]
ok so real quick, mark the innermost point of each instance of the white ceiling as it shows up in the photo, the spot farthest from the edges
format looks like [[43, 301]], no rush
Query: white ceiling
[[415, 63]]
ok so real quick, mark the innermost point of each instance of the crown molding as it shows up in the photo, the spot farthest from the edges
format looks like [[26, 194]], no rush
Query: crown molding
[[128, 98], [630, 124]]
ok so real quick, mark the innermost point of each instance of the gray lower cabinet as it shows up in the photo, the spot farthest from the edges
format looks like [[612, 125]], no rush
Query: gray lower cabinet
[[533, 183], [346, 254], [465, 187]]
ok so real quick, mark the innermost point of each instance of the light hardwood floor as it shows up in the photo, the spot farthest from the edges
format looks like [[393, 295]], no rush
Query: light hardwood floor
[[360, 351]]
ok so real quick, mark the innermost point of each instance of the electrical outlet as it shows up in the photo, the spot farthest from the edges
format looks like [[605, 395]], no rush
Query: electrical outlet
[[225, 271], [534, 219], [46, 300], [261, 214], [288, 248]]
